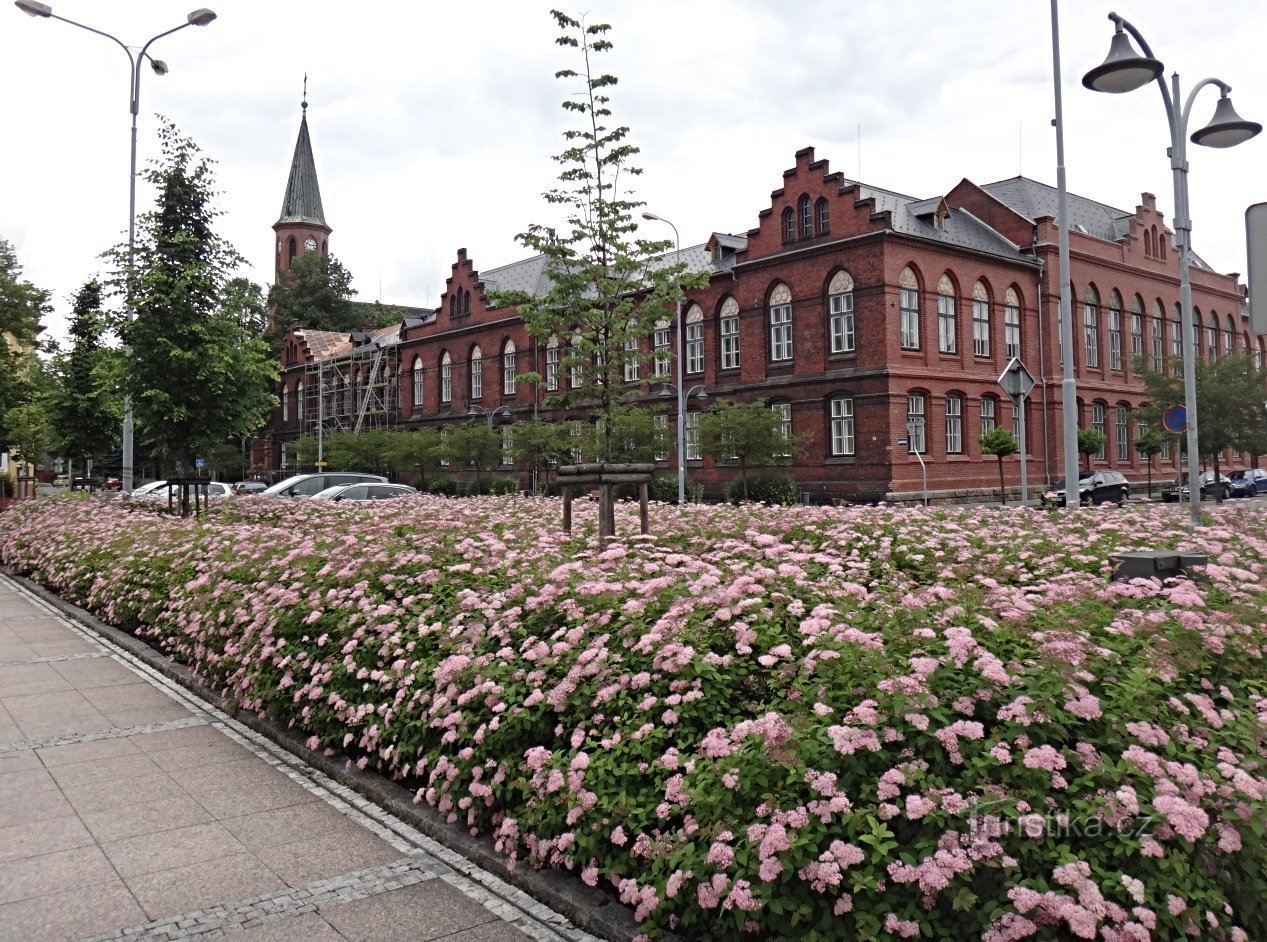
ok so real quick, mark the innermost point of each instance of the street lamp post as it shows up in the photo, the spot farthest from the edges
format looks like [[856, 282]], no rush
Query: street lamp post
[[199, 17], [476, 410], [681, 394], [1124, 70]]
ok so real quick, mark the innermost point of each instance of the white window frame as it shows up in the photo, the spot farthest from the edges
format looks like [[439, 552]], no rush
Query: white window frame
[[446, 377], [728, 331], [1122, 432], [916, 423], [954, 425], [692, 436], [1115, 339], [780, 324], [1099, 419], [908, 310], [980, 328], [285, 403], [1091, 334], [417, 383], [694, 341], [784, 412], [842, 427], [477, 374], [989, 414], [663, 350], [508, 369], [661, 423], [552, 364], [842, 328], [947, 323], [632, 362], [508, 446]]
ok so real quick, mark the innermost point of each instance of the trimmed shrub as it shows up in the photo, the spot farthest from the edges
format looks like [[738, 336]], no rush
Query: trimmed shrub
[[774, 489]]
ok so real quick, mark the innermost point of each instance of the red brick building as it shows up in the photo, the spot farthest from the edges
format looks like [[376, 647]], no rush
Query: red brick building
[[851, 310]]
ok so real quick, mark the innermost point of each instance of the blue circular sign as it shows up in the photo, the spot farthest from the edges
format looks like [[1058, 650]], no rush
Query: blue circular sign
[[1175, 419]]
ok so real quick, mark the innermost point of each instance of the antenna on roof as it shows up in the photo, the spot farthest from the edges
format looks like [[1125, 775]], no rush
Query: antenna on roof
[[305, 101]]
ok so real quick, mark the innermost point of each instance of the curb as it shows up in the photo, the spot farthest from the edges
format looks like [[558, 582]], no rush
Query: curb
[[587, 908]]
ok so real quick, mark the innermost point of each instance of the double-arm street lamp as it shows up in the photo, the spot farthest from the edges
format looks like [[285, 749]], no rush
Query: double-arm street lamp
[[477, 410], [199, 17], [1125, 70], [681, 389]]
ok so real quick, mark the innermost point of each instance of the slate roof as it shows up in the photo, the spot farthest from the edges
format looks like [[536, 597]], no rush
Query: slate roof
[[302, 202], [960, 228], [532, 275]]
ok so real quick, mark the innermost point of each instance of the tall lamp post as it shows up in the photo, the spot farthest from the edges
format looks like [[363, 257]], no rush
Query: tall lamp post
[[1125, 70], [681, 389], [199, 17]]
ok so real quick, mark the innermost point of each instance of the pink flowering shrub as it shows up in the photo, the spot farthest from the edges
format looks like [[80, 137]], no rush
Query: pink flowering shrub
[[794, 723]]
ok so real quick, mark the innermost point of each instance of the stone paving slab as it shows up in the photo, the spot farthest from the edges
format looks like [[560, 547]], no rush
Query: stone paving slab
[[131, 810]]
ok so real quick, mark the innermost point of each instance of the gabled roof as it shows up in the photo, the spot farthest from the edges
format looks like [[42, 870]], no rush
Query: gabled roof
[[302, 203]]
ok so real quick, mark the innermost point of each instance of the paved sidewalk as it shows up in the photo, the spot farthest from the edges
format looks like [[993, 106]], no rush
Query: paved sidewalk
[[131, 811]]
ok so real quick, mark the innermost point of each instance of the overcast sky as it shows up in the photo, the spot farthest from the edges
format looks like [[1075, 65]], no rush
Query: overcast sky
[[434, 125]]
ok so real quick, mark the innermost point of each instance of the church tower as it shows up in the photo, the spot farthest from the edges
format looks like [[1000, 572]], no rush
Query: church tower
[[301, 228]]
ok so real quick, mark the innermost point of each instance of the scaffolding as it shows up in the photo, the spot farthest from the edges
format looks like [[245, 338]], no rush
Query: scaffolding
[[354, 392]]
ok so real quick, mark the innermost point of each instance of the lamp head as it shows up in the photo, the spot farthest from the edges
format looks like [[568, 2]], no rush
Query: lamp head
[[158, 65], [200, 17], [1123, 70], [651, 216], [31, 8], [1226, 128]]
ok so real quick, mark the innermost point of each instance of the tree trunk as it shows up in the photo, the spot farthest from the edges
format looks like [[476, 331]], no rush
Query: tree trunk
[[1002, 484]]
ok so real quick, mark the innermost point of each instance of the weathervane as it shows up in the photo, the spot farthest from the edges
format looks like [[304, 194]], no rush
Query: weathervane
[[305, 101]]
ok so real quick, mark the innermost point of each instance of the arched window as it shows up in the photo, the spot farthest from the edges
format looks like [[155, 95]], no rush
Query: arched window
[[1159, 337], [632, 359], [1098, 415], [916, 441], [466, 303], [1091, 326], [947, 324], [1149, 239], [477, 373], [446, 377], [508, 368], [980, 321], [1161, 246], [663, 348], [841, 328], [578, 368], [822, 215], [292, 250], [1011, 324], [1229, 337], [389, 391], [1137, 326], [1115, 330], [1176, 342], [789, 225], [417, 390], [299, 402], [908, 304], [728, 331], [1122, 431], [349, 396], [285, 403], [552, 364], [807, 217], [1212, 335], [781, 323], [694, 324]]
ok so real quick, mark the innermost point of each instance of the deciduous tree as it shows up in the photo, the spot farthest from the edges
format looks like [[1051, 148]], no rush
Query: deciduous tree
[[748, 433], [1001, 443], [22, 305]]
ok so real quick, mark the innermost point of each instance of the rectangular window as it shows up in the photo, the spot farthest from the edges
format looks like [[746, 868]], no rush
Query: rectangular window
[[915, 423], [1141, 428], [784, 411], [954, 425], [1011, 331], [1137, 335], [730, 343], [1212, 341], [660, 422], [842, 440], [692, 436], [552, 368], [946, 326], [508, 445], [1097, 423], [1176, 347], [1123, 434], [1165, 450], [477, 379], [631, 359], [1115, 339], [908, 302], [1159, 355], [662, 351], [446, 381], [987, 415], [578, 371], [695, 347], [417, 387], [1091, 334], [981, 328], [841, 326], [781, 332], [285, 403]]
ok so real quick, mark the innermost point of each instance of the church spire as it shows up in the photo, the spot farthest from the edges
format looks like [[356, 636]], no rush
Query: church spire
[[302, 203], [301, 227]]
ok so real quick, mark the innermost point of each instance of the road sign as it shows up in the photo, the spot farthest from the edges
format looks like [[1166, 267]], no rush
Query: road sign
[[1175, 419], [901, 441], [1015, 379], [320, 464], [199, 462]]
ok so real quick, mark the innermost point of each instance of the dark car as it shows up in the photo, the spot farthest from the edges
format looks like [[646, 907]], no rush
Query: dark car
[[305, 485], [1220, 489], [1094, 487], [249, 487], [1255, 477]]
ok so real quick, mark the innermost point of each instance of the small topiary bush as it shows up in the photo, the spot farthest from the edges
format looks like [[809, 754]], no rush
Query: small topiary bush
[[775, 489]]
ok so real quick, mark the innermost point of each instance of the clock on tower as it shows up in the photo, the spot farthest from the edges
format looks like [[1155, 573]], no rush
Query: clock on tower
[[310, 244]]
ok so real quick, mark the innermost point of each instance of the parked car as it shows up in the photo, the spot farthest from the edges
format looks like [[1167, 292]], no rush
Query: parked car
[[1094, 487], [170, 490], [1219, 489], [360, 492], [305, 485], [1241, 487], [62, 480], [249, 487], [1256, 476]]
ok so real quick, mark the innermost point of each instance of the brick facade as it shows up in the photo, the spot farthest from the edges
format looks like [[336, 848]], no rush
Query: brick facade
[[976, 245]]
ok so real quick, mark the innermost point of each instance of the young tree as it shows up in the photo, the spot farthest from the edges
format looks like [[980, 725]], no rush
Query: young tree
[[21, 307], [1001, 443], [244, 303], [28, 432], [1090, 442], [635, 435], [607, 287], [475, 444], [540, 444], [748, 433], [416, 452], [194, 375], [84, 414], [1231, 391], [1149, 443]]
